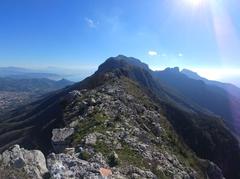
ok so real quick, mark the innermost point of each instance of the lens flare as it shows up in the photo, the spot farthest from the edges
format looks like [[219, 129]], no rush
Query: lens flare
[[228, 43], [194, 3]]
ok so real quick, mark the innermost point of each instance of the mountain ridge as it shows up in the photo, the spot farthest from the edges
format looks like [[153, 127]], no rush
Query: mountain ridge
[[195, 128]]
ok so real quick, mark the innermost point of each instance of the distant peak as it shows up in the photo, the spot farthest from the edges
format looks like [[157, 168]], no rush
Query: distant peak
[[189, 71], [119, 57], [121, 61], [130, 60], [191, 74], [173, 70]]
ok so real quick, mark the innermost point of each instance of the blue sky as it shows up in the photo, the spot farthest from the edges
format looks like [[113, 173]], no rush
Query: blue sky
[[83, 33]]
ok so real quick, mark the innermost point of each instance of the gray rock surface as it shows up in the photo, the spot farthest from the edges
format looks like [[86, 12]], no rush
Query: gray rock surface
[[67, 166], [61, 138], [64, 166], [32, 162], [91, 139], [126, 125]]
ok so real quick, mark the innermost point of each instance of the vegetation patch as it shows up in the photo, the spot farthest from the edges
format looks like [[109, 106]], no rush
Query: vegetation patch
[[85, 155], [128, 156], [133, 89], [102, 148], [113, 160], [93, 123], [178, 148]]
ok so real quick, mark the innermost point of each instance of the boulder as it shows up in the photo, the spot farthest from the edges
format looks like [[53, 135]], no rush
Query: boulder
[[71, 96], [92, 101], [61, 138], [31, 162], [74, 124], [91, 139], [137, 173], [67, 166], [70, 151]]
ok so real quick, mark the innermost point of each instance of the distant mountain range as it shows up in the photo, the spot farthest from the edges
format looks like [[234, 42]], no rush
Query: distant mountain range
[[15, 92], [226, 101], [22, 73], [230, 88], [193, 114], [32, 85], [52, 73]]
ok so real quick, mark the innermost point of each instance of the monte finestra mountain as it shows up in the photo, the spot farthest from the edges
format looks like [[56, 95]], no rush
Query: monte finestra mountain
[[125, 121]]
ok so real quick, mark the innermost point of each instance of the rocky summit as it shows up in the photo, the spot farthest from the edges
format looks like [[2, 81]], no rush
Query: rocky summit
[[112, 126]]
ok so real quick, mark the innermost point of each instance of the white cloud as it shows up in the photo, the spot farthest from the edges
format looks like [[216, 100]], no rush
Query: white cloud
[[152, 53], [180, 55], [163, 55], [91, 23]]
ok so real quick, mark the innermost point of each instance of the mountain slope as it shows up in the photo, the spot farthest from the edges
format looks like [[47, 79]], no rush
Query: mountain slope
[[110, 129], [192, 123], [183, 129], [119, 117], [230, 88], [206, 95]]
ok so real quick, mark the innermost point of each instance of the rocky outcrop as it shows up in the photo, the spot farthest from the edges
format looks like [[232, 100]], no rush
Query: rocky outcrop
[[67, 166], [70, 166], [60, 138], [72, 96], [116, 131], [31, 162]]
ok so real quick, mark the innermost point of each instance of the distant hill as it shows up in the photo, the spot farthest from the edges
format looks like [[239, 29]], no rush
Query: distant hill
[[234, 79], [5, 71], [33, 85], [17, 92], [23, 73]]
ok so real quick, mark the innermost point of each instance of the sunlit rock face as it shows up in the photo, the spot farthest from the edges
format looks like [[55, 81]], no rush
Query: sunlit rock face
[[60, 138], [23, 163]]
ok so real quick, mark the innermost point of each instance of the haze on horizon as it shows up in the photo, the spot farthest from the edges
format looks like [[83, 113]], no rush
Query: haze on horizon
[[201, 35]]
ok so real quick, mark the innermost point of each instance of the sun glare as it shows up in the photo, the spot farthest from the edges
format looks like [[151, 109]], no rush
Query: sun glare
[[194, 3]]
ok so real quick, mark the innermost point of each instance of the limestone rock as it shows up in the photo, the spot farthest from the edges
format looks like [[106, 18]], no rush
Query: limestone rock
[[70, 167], [32, 162], [72, 96], [91, 139], [61, 138]]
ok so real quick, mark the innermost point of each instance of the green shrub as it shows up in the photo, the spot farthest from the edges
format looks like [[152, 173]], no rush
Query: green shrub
[[85, 155], [113, 160]]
